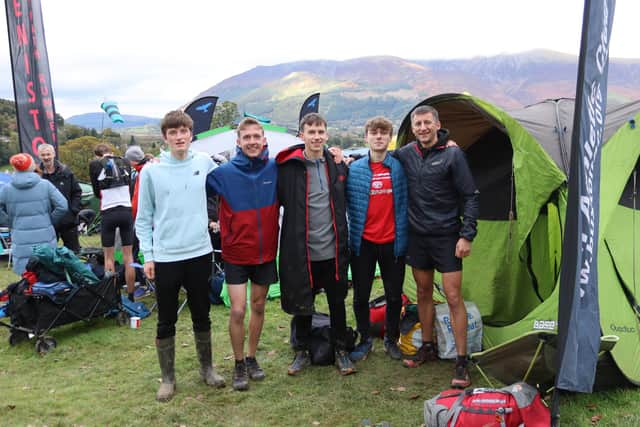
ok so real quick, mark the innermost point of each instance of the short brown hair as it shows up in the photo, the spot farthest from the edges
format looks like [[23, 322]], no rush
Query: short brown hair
[[424, 109], [312, 119], [175, 119], [379, 122], [246, 122], [102, 149]]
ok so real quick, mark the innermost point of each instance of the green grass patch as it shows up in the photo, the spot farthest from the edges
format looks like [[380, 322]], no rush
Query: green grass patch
[[103, 374]]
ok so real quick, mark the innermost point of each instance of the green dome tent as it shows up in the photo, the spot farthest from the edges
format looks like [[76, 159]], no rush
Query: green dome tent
[[522, 270]]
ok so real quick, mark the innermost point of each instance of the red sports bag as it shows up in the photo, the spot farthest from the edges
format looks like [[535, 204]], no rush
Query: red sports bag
[[516, 405], [378, 314]]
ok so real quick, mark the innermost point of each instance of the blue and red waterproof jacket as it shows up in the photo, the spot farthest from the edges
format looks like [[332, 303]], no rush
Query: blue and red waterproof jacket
[[248, 211]]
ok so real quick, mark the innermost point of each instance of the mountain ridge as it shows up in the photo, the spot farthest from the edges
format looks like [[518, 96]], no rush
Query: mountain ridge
[[353, 90]]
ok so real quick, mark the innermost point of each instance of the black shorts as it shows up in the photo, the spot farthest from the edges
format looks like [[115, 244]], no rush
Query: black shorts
[[118, 217], [429, 252], [260, 274]]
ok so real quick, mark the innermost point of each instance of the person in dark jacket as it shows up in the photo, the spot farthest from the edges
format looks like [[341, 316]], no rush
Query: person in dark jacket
[[31, 206], [65, 181], [440, 181], [377, 208], [248, 220], [313, 241]]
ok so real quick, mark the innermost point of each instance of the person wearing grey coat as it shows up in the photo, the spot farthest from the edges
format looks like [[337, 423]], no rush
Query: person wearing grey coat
[[31, 206]]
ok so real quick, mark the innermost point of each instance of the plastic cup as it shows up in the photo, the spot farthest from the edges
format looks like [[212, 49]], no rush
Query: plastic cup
[[134, 322]]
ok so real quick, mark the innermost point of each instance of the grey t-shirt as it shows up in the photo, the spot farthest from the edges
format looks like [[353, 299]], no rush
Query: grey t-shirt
[[321, 233]]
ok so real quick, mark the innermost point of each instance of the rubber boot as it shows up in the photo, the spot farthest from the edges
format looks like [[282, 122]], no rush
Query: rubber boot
[[166, 356], [207, 371]]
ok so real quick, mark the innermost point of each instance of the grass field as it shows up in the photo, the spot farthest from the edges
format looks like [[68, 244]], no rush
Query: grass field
[[102, 374]]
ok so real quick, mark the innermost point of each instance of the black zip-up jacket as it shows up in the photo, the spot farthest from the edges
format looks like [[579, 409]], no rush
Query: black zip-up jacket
[[441, 189], [294, 264], [65, 181]]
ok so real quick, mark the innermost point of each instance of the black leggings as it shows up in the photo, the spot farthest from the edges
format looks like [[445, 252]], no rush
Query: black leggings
[[192, 274], [363, 269], [324, 276]]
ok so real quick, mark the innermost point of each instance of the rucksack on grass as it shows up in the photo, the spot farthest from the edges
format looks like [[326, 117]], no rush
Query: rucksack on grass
[[517, 405]]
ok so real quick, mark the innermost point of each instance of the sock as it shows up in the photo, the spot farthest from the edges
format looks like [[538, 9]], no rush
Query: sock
[[462, 360], [239, 362], [131, 297], [428, 344]]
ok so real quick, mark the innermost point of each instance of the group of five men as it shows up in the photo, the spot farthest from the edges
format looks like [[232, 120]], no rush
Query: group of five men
[[386, 208]]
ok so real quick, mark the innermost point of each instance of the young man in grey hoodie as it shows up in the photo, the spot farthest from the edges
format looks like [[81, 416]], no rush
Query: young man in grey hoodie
[[172, 228]]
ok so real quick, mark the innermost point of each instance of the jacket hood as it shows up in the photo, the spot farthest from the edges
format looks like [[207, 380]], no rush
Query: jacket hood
[[166, 157], [291, 153], [243, 162], [22, 180]]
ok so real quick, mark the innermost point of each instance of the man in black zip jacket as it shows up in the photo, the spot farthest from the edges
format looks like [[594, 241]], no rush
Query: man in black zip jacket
[[440, 183], [65, 181], [314, 253]]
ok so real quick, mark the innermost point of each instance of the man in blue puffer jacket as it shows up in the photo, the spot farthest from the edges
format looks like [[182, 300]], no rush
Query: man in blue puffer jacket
[[377, 210], [32, 207]]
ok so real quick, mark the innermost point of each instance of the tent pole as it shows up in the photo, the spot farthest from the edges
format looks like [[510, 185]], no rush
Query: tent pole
[[533, 360]]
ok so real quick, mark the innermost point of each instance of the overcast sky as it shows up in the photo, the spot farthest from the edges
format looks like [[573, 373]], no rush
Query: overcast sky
[[151, 56]]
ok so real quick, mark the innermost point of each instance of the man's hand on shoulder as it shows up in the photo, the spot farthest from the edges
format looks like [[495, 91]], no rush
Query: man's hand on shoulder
[[451, 143], [336, 152], [463, 248]]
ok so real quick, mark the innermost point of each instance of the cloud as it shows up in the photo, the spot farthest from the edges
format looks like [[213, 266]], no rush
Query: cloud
[[156, 55]]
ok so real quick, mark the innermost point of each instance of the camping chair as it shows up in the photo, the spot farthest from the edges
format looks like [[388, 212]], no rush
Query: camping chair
[[5, 240], [215, 269]]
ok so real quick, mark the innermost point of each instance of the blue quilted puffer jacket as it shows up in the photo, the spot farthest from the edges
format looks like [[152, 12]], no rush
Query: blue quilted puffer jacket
[[358, 187]]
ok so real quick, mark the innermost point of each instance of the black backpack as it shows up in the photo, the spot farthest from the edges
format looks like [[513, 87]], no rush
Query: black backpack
[[320, 347], [116, 172]]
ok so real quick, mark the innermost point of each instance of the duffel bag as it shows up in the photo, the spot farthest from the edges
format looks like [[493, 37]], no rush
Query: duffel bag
[[516, 405]]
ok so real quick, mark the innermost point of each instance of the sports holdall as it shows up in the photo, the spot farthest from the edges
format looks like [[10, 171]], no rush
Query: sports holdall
[[516, 405], [378, 314]]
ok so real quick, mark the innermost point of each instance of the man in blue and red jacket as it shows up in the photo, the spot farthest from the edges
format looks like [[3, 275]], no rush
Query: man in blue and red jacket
[[248, 219]]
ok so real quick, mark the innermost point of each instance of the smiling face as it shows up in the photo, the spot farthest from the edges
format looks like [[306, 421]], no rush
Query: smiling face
[[179, 141], [251, 140], [47, 155], [378, 140], [425, 127], [314, 136]]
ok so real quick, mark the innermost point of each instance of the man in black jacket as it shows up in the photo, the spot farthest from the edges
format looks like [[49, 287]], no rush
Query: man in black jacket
[[313, 239], [440, 182], [64, 180]]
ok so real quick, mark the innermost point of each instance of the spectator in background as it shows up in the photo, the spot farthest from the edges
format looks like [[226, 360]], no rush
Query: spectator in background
[[138, 160], [65, 181], [31, 206], [111, 181]]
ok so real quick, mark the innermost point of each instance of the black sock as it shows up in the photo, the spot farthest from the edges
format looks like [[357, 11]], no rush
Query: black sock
[[428, 344], [131, 297], [238, 362], [462, 360]]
